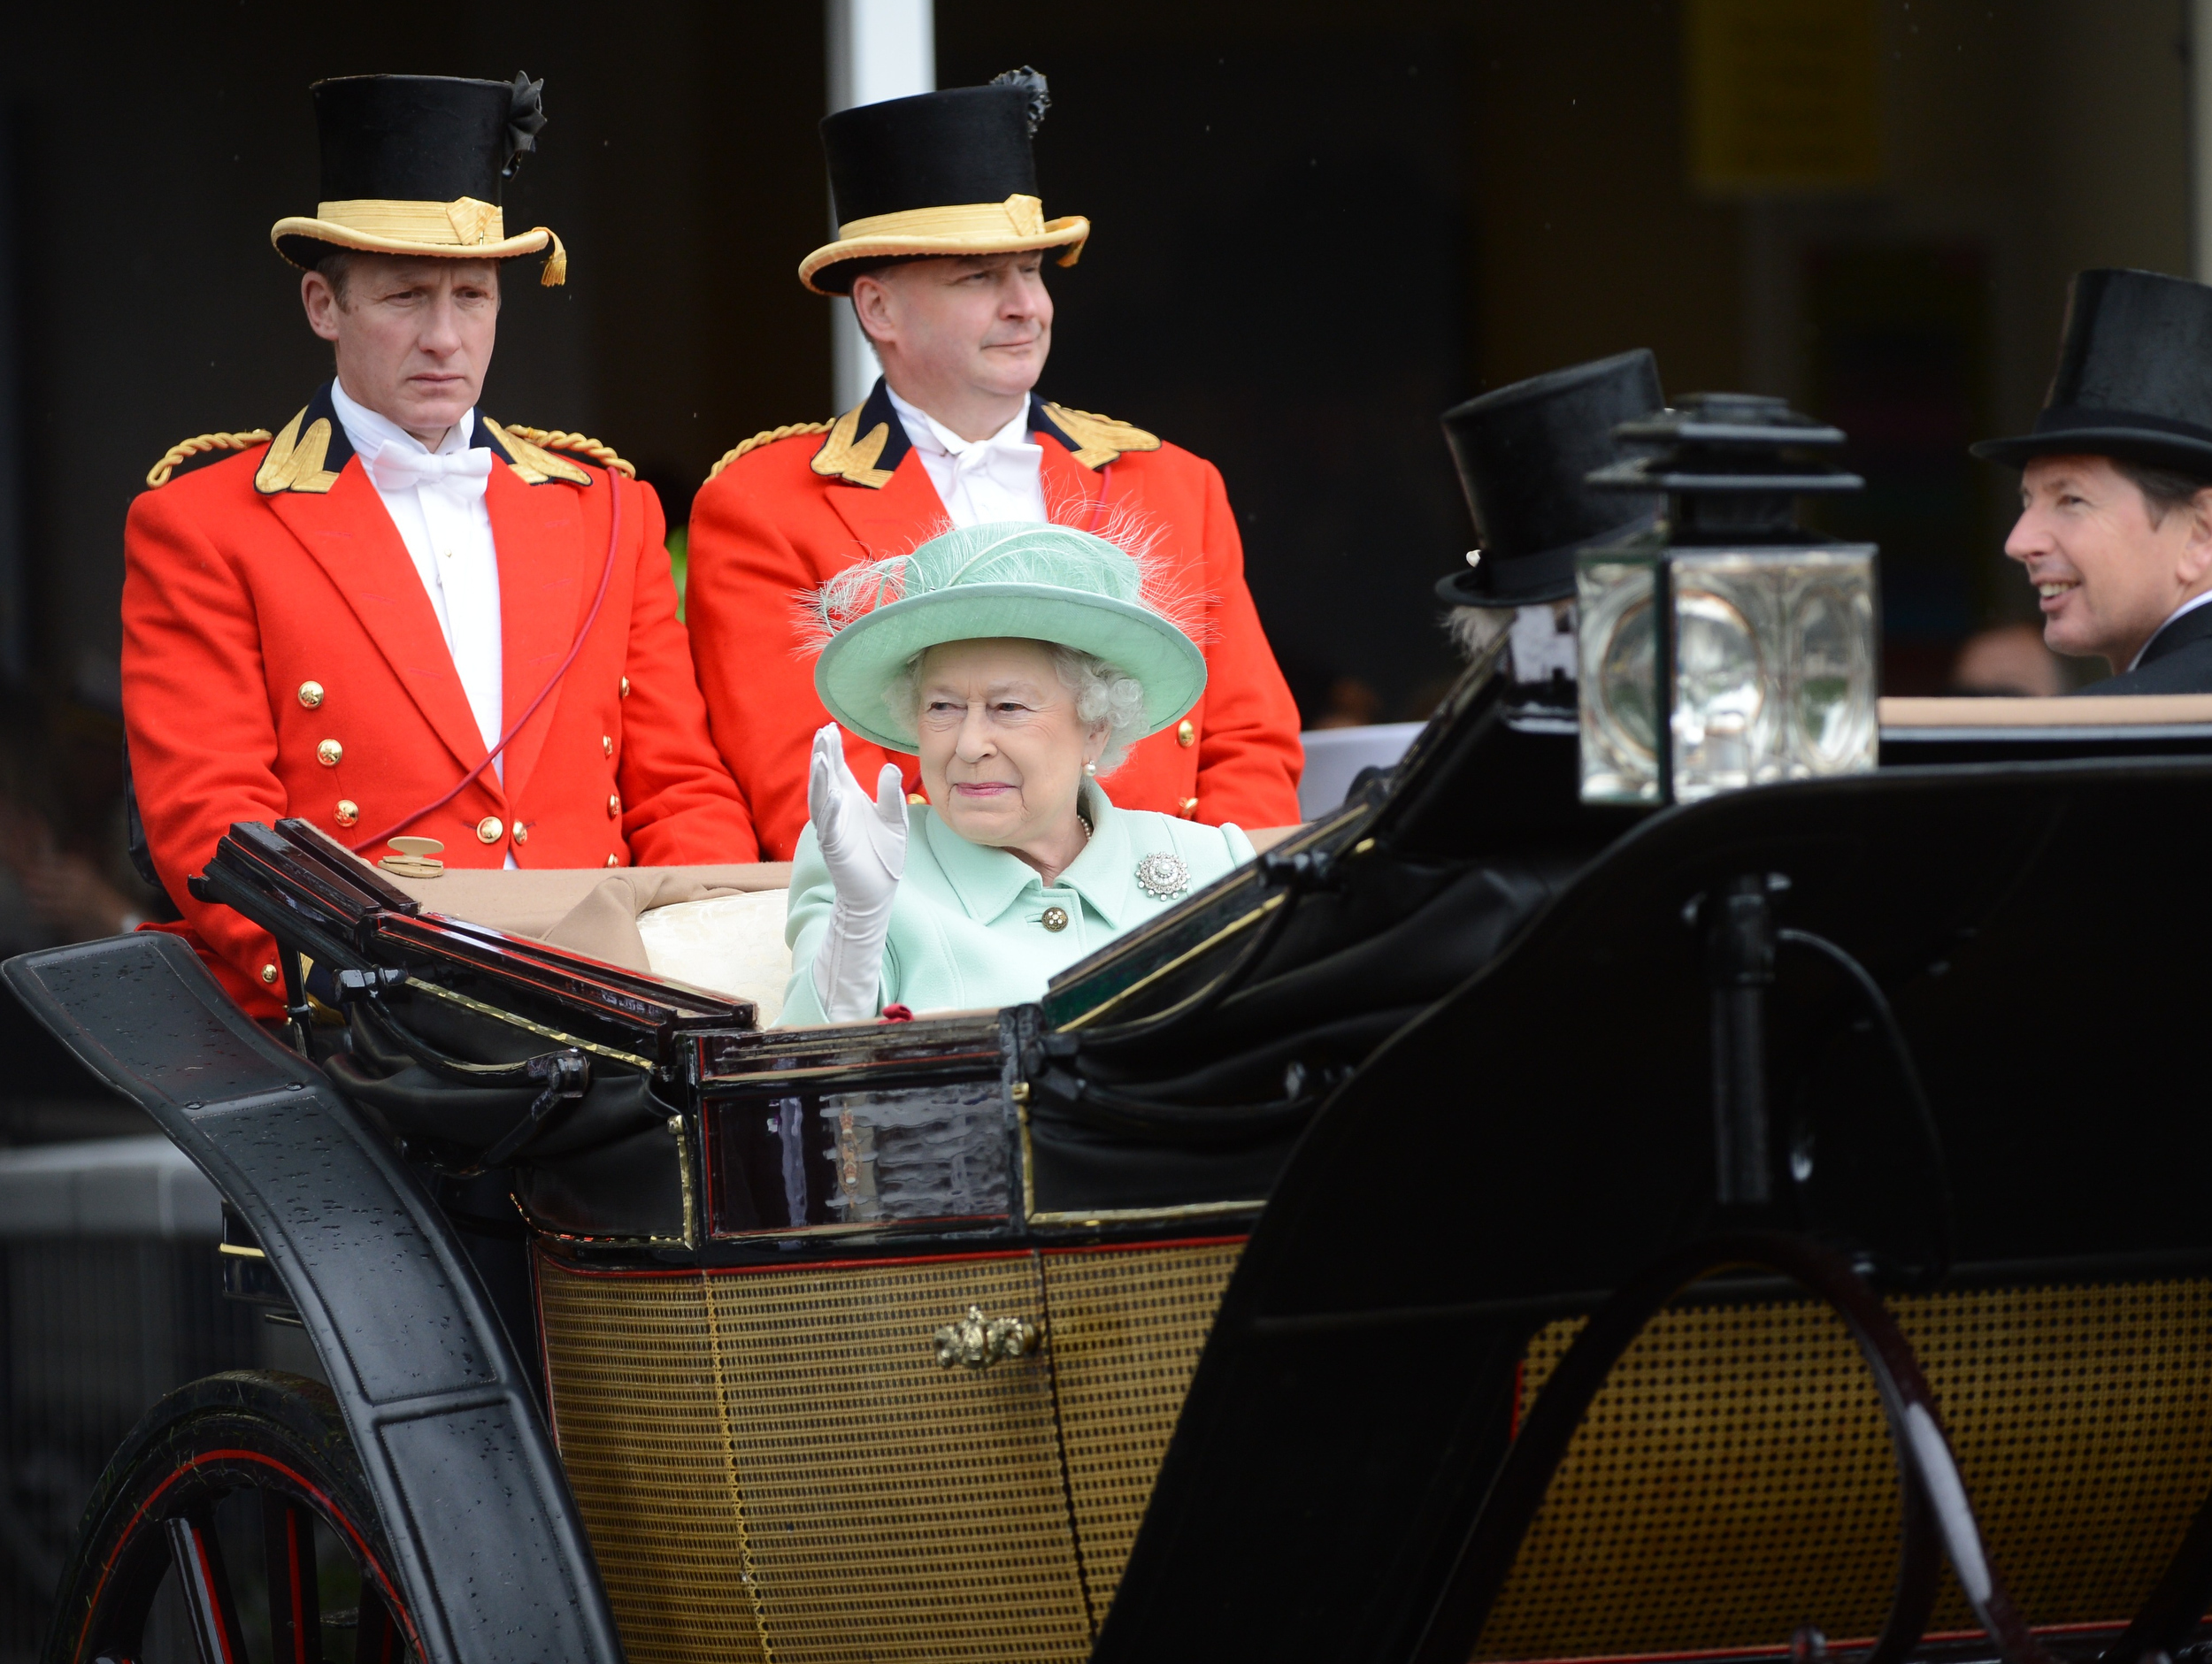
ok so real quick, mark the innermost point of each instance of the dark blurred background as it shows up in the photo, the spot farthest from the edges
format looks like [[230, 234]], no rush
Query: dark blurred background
[[1316, 226]]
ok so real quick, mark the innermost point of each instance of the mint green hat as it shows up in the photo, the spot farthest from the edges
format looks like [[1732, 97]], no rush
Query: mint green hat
[[1041, 583]]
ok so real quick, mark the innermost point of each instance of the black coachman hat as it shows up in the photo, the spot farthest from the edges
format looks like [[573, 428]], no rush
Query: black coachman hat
[[2134, 377], [941, 172], [412, 164], [1522, 452]]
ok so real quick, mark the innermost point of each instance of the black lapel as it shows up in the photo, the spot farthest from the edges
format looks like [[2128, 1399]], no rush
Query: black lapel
[[878, 407], [2193, 626]]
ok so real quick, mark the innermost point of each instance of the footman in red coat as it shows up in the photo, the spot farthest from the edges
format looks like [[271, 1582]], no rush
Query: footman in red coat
[[395, 618], [940, 244]]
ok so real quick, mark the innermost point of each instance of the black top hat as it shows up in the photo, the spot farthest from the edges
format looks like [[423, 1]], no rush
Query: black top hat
[[2134, 378], [412, 164], [940, 173], [1522, 452]]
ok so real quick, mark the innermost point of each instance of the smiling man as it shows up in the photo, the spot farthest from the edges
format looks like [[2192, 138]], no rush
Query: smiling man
[[2116, 487], [395, 618], [941, 247]]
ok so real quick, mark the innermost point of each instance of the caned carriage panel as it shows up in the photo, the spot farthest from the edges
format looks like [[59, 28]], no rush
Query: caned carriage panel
[[1734, 1478], [1127, 1325], [638, 1410]]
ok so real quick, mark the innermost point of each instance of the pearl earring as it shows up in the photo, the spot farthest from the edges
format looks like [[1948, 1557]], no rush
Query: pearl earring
[[1090, 768]]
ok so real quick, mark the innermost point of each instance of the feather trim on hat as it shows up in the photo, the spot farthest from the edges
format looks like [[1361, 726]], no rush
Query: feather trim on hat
[[1118, 561]]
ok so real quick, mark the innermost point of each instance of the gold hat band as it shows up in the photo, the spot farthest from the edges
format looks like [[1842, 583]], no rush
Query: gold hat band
[[1016, 224], [1018, 216], [463, 222]]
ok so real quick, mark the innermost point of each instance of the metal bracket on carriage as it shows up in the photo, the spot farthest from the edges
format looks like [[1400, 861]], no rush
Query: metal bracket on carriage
[[567, 1077], [359, 985], [1302, 869], [977, 1342]]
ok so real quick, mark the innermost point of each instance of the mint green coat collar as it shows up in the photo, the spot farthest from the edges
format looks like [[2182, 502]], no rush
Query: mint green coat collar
[[988, 880]]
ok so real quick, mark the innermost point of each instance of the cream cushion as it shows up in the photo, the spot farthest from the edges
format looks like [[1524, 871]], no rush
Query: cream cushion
[[732, 944]]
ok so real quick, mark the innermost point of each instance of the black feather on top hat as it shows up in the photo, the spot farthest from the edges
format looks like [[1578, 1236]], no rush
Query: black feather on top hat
[[413, 164], [940, 173], [1522, 452], [2134, 377]]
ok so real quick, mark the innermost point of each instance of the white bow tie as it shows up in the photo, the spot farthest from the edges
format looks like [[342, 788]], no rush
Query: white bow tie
[[1004, 459], [459, 477]]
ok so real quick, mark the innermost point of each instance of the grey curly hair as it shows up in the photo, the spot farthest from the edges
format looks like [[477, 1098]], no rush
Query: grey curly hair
[[1103, 693]]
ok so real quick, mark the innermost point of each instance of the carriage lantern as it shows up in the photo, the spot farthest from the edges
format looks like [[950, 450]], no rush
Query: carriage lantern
[[1728, 647]]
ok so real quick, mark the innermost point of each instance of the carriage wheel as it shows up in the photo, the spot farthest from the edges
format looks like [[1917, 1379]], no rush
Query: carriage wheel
[[234, 1523]]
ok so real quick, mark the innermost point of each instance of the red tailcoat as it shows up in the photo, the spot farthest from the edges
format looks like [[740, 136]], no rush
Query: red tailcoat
[[782, 517], [269, 607]]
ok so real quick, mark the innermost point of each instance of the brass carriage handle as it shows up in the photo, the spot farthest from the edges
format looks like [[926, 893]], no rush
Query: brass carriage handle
[[978, 1342]]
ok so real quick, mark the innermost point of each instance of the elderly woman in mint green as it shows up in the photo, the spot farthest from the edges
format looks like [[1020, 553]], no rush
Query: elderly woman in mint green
[[1020, 662]]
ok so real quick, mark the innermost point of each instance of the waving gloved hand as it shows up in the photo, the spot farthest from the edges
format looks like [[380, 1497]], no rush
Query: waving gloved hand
[[863, 845]]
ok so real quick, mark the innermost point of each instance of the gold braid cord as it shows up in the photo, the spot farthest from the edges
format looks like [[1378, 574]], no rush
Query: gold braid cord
[[184, 450], [766, 436], [575, 444]]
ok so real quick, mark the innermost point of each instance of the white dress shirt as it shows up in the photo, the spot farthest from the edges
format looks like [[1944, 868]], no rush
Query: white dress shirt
[[979, 480], [448, 531]]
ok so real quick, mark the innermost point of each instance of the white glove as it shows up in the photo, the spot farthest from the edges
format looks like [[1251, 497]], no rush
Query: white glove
[[863, 845]]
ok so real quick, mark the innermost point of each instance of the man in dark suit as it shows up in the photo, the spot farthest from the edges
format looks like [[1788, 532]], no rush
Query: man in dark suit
[[2116, 484]]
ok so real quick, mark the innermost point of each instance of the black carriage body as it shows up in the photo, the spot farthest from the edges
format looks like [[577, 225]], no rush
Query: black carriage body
[[1446, 1060]]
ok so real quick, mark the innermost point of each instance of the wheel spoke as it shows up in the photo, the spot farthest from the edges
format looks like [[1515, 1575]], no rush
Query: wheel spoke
[[295, 1626], [377, 1640], [198, 1559]]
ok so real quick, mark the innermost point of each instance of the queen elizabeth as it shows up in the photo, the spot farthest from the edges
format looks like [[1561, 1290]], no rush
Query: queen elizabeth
[[1019, 662]]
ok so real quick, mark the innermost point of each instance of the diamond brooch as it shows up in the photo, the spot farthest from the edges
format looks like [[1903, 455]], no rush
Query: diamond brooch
[[1162, 877]]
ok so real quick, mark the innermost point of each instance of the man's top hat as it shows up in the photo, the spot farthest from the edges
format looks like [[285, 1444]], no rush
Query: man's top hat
[[2134, 378], [412, 164], [1522, 452], [940, 173]]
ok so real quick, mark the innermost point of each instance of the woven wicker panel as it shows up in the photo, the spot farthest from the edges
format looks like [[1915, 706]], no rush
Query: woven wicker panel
[[1734, 1479], [636, 1402], [896, 1510], [1128, 1327]]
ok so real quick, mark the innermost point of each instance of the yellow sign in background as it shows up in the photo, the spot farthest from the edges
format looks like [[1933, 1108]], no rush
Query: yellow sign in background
[[1784, 95]]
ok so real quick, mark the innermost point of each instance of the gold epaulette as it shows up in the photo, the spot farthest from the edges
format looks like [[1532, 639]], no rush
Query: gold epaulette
[[766, 436], [199, 444], [576, 444], [1099, 439]]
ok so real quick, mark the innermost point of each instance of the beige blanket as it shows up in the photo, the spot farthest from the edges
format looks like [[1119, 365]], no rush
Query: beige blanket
[[718, 928]]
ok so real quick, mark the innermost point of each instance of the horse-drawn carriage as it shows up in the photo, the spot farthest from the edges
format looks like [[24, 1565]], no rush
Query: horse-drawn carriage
[[1494, 1224]]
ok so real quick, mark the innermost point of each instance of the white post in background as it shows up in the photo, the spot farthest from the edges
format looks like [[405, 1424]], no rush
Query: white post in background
[[879, 50], [2200, 137]]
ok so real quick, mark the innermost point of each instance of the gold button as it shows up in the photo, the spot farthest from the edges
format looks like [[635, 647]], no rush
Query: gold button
[[916, 797], [268, 973], [614, 805], [1190, 808], [489, 830], [328, 753], [522, 834], [626, 687], [347, 812], [1055, 918], [611, 861], [1185, 734], [311, 694], [606, 743]]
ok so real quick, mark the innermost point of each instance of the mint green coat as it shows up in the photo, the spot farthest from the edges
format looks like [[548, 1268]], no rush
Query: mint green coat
[[967, 927]]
